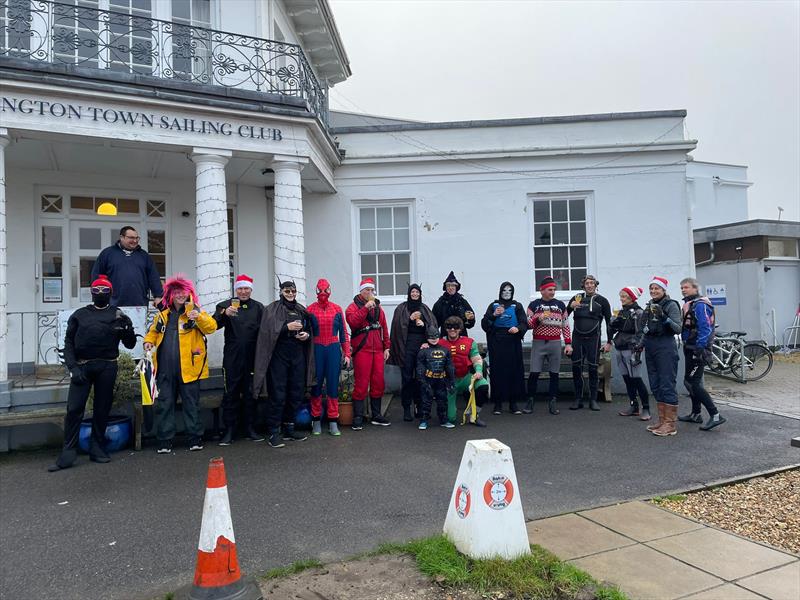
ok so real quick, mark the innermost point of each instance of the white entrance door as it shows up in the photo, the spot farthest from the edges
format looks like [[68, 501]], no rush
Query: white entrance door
[[87, 239]]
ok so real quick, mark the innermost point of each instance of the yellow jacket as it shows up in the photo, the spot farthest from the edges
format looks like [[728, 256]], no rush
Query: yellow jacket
[[191, 342]]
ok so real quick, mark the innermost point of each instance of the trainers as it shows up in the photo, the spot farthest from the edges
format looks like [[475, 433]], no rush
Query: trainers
[[275, 441], [447, 425], [528, 407], [164, 448], [514, 410], [333, 428], [254, 436], [358, 424], [498, 410], [227, 439], [316, 427], [423, 425], [691, 418], [379, 420], [195, 446], [712, 422], [294, 436]]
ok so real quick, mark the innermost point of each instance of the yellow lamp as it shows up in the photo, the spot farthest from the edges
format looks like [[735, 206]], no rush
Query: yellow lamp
[[107, 209]]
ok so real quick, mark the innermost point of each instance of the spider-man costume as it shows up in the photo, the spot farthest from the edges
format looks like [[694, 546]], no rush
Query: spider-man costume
[[330, 340]]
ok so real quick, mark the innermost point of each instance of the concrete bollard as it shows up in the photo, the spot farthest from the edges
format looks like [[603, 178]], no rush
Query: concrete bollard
[[484, 518]]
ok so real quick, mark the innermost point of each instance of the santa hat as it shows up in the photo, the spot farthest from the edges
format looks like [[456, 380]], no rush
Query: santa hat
[[243, 281], [661, 282], [101, 280], [547, 282], [633, 292], [367, 282], [451, 278]]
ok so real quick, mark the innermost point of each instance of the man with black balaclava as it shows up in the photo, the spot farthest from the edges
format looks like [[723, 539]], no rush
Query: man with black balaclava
[[589, 310], [505, 324], [453, 304], [91, 349], [284, 363]]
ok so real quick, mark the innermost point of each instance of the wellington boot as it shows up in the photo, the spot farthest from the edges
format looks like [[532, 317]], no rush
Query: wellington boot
[[593, 405], [333, 429], [670, 417], [551, 406], [577, 404], [316, 427], [632, 410], [657, 424], [644, 415]]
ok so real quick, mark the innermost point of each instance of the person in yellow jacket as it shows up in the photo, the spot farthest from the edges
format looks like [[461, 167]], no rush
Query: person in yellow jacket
[[178, 336]]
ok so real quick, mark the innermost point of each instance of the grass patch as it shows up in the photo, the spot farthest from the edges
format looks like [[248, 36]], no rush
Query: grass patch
[[296, 567], [539, 575], [670, 498]]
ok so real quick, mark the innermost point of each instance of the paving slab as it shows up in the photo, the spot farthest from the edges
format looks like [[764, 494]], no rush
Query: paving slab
[[645, 574], [571, 536], [782, 583], [641, 521], [722, 554], [729, 591]]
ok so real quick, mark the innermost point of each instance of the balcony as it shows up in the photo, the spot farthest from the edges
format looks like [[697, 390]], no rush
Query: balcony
[[129, 48]]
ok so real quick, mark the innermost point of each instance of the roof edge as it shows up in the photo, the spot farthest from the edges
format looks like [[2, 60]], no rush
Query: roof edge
[[653, 114]]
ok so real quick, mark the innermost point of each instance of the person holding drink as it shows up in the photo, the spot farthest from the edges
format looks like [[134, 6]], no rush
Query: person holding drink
[[240, 317], [453, 304], [369, 336], [505, 325], [411, 320], [284, 363], [178, 336], [547, 317], [628, 339]]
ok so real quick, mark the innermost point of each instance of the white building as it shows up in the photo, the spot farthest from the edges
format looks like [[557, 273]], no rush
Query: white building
[[219, 148]]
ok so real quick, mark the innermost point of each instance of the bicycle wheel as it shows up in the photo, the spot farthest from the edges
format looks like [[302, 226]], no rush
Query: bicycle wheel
[[757, 362], [717, 363]]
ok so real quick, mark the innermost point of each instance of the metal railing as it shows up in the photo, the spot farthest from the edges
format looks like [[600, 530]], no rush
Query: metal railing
[[66, 34]]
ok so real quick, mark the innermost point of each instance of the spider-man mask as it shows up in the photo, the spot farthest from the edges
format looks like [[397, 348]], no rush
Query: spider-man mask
[[323, 291]]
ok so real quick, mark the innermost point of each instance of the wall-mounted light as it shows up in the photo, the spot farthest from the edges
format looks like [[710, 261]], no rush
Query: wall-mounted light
[[107, 209], [185, 213]]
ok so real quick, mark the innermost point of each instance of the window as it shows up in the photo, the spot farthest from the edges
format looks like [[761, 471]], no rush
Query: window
[[782, 248], [15, 28], [131, 34], [191, 46], [231, 244], [76, 33], [52, 203], [157, 249], [129, 206], [559, 240], [52, 263], [384, 250]]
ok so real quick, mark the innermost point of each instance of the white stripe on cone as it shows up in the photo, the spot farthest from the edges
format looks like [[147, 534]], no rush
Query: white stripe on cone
[[216, 519]]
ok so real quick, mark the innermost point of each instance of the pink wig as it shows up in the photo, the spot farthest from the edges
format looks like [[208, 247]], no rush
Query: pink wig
[[179, 283]]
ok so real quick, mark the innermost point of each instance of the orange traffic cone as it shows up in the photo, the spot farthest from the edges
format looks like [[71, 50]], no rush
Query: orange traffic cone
[[217, 575]]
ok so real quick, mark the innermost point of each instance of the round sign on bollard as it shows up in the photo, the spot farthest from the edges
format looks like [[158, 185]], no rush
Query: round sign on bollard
[[485, 518]]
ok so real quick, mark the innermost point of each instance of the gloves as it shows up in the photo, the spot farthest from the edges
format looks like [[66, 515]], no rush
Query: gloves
[[656, 311], [702, 356], [77, 376]]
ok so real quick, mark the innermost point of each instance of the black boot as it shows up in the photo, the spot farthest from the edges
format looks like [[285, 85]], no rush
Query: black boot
[[577, 404], [227, 437], [551, 406], [64, 461], [407, 414]]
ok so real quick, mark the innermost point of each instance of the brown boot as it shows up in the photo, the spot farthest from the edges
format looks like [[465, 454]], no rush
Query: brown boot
[[668, 426], [657, 424]]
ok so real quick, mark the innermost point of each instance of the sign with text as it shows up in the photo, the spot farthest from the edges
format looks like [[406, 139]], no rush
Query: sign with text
[[717, 293]]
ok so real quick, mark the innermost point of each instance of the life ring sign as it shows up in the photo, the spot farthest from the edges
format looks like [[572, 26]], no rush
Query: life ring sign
[[463, 501], [498, 491]]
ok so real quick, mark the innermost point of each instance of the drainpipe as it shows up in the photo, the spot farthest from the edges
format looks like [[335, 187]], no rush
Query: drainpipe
[[710, 259]]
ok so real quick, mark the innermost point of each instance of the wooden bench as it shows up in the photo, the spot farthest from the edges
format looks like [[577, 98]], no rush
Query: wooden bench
[[34, 417]]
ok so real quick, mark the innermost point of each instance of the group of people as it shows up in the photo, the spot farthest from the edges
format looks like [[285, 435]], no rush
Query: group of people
[[282, 349]]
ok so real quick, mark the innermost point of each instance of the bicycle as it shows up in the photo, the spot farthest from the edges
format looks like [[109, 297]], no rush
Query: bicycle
[[746, 361]]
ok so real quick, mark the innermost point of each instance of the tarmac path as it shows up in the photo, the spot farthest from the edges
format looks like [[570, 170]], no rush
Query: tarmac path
[[129, 529]]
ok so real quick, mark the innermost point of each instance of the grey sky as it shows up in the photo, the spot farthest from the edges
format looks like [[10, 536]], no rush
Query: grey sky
[[735, 66]]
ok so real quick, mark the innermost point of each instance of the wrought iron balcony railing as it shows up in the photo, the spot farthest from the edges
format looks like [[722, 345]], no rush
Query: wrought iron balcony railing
[[109, 41]]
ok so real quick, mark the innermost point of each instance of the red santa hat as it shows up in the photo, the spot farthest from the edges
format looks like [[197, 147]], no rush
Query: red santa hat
[[661, 282], [633, 292], [367, 282], [243, 281], [101, 280]]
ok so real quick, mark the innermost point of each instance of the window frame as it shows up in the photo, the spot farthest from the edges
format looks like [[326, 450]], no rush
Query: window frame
[[589, 219], [357, 205]]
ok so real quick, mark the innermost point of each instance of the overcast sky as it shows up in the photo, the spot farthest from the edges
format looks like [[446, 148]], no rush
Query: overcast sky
[[735, 67]]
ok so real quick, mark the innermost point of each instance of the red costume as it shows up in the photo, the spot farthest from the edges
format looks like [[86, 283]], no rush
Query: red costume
[[370, 338]]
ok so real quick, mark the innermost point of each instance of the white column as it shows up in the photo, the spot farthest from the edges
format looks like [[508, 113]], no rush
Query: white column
[[212, 277], [288, 242], [5, 140]]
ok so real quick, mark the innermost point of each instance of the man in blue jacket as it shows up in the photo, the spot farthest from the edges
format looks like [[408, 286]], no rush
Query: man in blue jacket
[[698, 335], [131, 270]]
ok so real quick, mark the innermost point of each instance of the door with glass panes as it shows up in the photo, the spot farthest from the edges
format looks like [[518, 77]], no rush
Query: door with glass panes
[[87, 240]]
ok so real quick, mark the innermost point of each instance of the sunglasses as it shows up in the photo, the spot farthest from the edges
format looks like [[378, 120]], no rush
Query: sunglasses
[[452, 327], [101, 289]]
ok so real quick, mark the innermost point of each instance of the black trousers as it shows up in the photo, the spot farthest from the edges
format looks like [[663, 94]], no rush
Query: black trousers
[[585, 349], [238, 393], [410, 389], [693, 380], [434, 389], [286, 382], [100, 374]]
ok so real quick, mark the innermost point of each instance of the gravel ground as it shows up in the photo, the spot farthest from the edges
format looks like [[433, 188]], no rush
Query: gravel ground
[[765, 509]]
